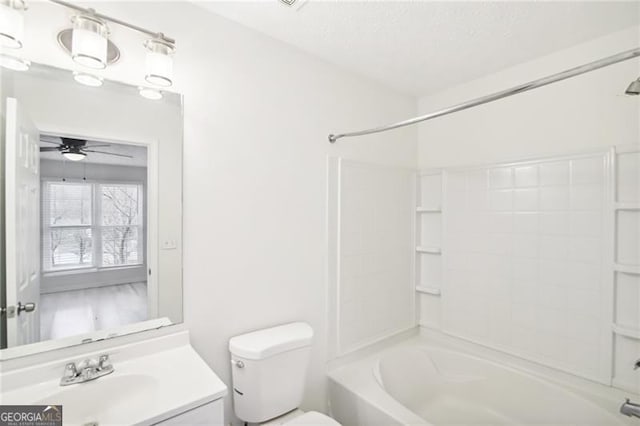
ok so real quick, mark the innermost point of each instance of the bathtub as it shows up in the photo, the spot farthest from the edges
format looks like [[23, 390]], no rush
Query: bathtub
[[426, 382]]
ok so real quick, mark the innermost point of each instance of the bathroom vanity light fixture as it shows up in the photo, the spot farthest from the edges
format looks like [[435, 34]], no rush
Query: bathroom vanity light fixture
[[87, 79], [150, 93], [14, 63], [12, 23], [159, 63], [88, 44], [634, 88]]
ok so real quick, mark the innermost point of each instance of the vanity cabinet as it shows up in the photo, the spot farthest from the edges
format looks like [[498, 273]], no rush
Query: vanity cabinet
[[211, 413]]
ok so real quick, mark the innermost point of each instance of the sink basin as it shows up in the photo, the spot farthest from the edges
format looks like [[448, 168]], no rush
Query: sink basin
[[104, 400]]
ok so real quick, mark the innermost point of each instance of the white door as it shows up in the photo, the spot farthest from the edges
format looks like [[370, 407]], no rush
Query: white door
[[22, 204]]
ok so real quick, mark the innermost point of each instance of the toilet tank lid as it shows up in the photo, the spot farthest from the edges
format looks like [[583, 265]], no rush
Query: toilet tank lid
[[271, 341]]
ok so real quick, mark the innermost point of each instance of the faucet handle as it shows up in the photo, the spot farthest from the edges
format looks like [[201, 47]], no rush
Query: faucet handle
[[70, 370], [103, 362]]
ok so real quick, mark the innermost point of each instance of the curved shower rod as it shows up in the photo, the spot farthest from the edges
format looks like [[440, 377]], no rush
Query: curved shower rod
[[601, 63]]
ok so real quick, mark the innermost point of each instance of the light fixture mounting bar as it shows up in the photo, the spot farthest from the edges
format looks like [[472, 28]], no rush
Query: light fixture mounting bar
[[114, 20], [563, 75]]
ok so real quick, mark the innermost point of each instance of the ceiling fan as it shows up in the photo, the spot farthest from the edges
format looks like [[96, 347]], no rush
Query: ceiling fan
[[74, 149]]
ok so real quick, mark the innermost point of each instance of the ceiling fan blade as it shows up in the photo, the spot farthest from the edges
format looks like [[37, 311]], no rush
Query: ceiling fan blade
[[97, 146], [46, 141], [48, 149], [108, 153]]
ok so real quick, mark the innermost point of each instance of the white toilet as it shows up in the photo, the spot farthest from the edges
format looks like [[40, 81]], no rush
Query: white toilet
[[269, 368]]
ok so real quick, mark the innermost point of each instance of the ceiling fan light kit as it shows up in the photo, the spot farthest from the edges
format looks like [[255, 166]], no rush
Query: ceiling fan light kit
[[88, 44], [74, 155], [75, 149]]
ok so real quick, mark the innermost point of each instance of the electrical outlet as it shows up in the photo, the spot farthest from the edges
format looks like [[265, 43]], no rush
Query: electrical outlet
[[169, 245]]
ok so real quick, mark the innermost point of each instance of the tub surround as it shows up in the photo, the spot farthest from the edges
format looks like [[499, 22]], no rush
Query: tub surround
[[154, 380]]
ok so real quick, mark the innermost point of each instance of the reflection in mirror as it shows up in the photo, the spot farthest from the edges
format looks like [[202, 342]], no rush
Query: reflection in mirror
[[93, 211], [83, 222]]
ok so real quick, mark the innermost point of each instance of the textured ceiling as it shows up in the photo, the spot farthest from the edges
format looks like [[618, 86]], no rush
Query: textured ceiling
[[422, 47]]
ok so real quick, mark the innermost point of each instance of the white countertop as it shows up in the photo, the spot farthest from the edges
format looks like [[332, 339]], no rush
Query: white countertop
[[144, 388]]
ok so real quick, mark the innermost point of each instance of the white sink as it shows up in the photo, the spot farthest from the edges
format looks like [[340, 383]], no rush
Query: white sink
[[153, 380], [104, 400]]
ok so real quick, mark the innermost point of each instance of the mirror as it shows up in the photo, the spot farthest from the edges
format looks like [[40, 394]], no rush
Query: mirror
[[91, 211]]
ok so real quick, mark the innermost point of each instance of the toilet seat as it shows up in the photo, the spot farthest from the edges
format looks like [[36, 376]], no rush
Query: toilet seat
[[312, 418]]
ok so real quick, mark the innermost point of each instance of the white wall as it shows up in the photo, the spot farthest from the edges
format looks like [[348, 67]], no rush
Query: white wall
[[585, 112], [257, 116]]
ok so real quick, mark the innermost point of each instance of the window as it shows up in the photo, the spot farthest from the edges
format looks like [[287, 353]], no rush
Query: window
[[88, 225], [121, 224]]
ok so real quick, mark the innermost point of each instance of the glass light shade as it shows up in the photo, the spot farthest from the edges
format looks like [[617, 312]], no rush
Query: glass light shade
[[74, 155], [13, 63], [159, 63], [87, 79], [89, 42], [149, 93], [12, 23]]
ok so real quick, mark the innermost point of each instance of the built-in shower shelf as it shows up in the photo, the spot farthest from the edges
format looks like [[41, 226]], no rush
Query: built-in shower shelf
[[627, 269], [627, 206], [429, 250], [423, 209], [428, 290], [633, 333]]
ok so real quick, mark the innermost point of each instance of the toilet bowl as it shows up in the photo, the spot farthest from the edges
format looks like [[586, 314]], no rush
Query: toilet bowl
[[269, 369]]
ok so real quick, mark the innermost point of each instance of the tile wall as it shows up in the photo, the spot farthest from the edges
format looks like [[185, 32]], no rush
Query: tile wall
[[375, 290], [526, 260]]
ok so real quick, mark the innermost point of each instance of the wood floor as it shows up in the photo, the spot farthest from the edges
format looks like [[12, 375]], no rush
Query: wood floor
[[69, 313]]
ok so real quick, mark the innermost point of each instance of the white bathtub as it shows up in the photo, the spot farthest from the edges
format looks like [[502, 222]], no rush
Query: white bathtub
[[418, 382]]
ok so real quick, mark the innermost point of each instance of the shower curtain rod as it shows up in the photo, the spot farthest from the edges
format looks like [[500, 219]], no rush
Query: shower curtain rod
[[601, 63]]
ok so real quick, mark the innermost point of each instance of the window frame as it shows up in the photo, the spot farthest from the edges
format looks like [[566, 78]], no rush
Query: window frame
[[96, 227]]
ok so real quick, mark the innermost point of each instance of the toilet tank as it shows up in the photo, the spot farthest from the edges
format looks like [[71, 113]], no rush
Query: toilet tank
[[269, 369]]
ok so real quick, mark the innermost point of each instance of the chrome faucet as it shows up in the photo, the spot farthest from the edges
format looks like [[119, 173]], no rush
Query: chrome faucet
[[629, 408], [89, 369]]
